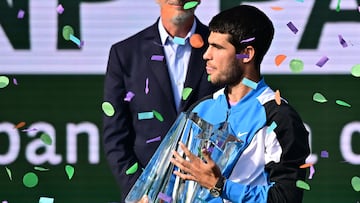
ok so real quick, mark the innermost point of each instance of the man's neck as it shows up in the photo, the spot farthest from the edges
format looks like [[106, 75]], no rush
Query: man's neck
[[238, 91], [178, 30]]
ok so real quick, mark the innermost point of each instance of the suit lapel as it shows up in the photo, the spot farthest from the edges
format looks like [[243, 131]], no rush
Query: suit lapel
[[152, 46], [196, 67]]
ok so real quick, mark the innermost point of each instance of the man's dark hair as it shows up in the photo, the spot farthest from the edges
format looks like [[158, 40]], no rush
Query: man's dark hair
[[242, 23]]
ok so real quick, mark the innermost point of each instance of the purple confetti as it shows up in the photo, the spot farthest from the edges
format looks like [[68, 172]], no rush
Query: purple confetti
[[312, 172], [247, 40], [21, 14], [15, 81], [129, 96], [292, 27], [322, 61], [81, 44], [164, 197], [242, 56], [342, 41], [324, 154], [30, 129], [147, 86], [158, 138], [60, 9], [157, 57]]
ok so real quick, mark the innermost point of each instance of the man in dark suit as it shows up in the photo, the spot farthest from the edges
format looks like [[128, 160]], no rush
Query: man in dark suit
[[145, 79]]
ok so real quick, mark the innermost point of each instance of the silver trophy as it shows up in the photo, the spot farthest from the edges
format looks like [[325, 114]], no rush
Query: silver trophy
[[158, 182]]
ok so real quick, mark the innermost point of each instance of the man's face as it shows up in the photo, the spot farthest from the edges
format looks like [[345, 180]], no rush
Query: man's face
[[174, 9], [221, 62]]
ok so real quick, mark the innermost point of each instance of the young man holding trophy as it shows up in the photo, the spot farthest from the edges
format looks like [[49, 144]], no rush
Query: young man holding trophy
[[256, 154]]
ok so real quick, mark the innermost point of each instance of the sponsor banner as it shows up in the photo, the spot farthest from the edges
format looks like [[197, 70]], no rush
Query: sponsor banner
[[68, 109], [32, 43]]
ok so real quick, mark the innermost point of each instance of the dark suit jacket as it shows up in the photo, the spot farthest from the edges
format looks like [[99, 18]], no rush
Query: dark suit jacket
[[129, 66]]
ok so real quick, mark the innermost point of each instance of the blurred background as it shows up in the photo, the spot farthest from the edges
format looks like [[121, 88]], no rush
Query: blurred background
[[55, 88]]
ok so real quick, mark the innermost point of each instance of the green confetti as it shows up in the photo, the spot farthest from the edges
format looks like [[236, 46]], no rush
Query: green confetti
[[186, 92], [342, 103], [190, 5], [108, 108], [296, 65], [67, 32], [355, 70], [4, 81], [209, 78], [338, 6], [30, 180], [132, 169], [158, 116], [303, 185], [8, 171], [355, 182], [46, 138], [40, 168], [69, 171], [318, 97]]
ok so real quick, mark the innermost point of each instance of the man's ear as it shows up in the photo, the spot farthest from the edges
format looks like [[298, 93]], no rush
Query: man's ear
[[250, 51]]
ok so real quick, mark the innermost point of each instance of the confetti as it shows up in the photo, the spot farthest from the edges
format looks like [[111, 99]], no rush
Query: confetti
[[279, 59], [296, 65], [20, 125], [4, 201], [209, 78], [359, 9], [186, 93], [8, 171], [318, 97], [324, 154], [247, 40], [190, 5], [132, 169], [355, 182], [46, 139], [179, 40], [21, 14], [292, 27], [342, 103], [60, 9], [249, 83], [145, 115], [69, 171], [147, 86], [158, 138], [46, 200], [40, 168], [157, 58], [338, 6], [276, 8], [306, 165], [322, 61], [15, 81], [312, 172], [4, 81], [164, 197], [342, 41], [303, 185], [129, 96], [30, 179], [271, 128], [242, 56], [158, 116], [300, 0], [68, 34], [355, 71], [277, 97], [196, 41], [29, 129], [108, 108]]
